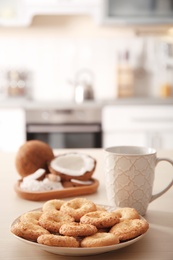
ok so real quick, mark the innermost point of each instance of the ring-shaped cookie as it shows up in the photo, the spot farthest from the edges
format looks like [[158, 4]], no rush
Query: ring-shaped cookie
[[99, 240], [52, 205], [100, 219], [28, 226], [31, 216], [78, 207], [129, 228], [77, 229], [127, 213], [57, 240], [52, 221]]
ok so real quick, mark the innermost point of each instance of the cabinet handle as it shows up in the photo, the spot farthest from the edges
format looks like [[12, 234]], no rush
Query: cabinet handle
[[153, 120]]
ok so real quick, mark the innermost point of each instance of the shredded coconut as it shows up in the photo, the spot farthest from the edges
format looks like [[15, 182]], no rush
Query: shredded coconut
[[45, 185]]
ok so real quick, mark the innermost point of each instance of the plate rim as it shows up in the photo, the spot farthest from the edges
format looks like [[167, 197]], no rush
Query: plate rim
[[79, 251]]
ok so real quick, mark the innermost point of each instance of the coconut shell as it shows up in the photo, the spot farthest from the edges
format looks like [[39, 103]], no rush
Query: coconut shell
[[66, 177], [31, 156]]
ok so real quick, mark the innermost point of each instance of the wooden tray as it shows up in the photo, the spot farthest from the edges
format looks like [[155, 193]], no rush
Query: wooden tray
[[57, 194]]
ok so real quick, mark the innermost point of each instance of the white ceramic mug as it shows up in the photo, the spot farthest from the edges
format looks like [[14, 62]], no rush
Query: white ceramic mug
[[129, 176]]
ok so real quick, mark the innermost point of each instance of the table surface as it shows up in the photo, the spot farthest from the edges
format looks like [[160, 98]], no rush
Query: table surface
[[156, 244]]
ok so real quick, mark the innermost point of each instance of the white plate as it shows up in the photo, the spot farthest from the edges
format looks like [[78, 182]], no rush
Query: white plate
[[70, 251]]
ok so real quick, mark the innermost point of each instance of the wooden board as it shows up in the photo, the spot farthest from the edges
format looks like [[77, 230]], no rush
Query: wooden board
[[57, 194]]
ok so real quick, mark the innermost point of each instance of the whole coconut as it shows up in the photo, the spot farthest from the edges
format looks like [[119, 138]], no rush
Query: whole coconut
[[31, 156]]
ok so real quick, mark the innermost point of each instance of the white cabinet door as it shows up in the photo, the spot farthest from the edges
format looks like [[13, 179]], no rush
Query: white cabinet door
[[162, 139], [167, 140], [138, 125], [124, 138], [22, 12], [12, 129]]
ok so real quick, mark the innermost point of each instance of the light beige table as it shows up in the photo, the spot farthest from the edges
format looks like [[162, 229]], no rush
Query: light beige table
[[156, 244]]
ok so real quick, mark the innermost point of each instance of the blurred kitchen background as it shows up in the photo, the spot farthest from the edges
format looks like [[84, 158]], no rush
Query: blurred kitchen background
[[86, 73]]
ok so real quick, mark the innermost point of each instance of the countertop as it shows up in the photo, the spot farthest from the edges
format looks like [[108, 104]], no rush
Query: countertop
[[156, 244], [57, 104]]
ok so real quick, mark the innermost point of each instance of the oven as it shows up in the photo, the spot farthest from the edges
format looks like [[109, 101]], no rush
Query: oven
[[65, 128]]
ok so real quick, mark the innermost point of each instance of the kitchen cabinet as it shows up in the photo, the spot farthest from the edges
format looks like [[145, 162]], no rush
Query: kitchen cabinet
[[138, 125], [21, 12], [12, 13], [136, 12], [12, 128]]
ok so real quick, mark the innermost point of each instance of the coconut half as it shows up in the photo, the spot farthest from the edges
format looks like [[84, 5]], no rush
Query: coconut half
[[73, 166]]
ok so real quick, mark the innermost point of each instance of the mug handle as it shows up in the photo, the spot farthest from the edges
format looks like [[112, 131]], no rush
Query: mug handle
[[155, 196]]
